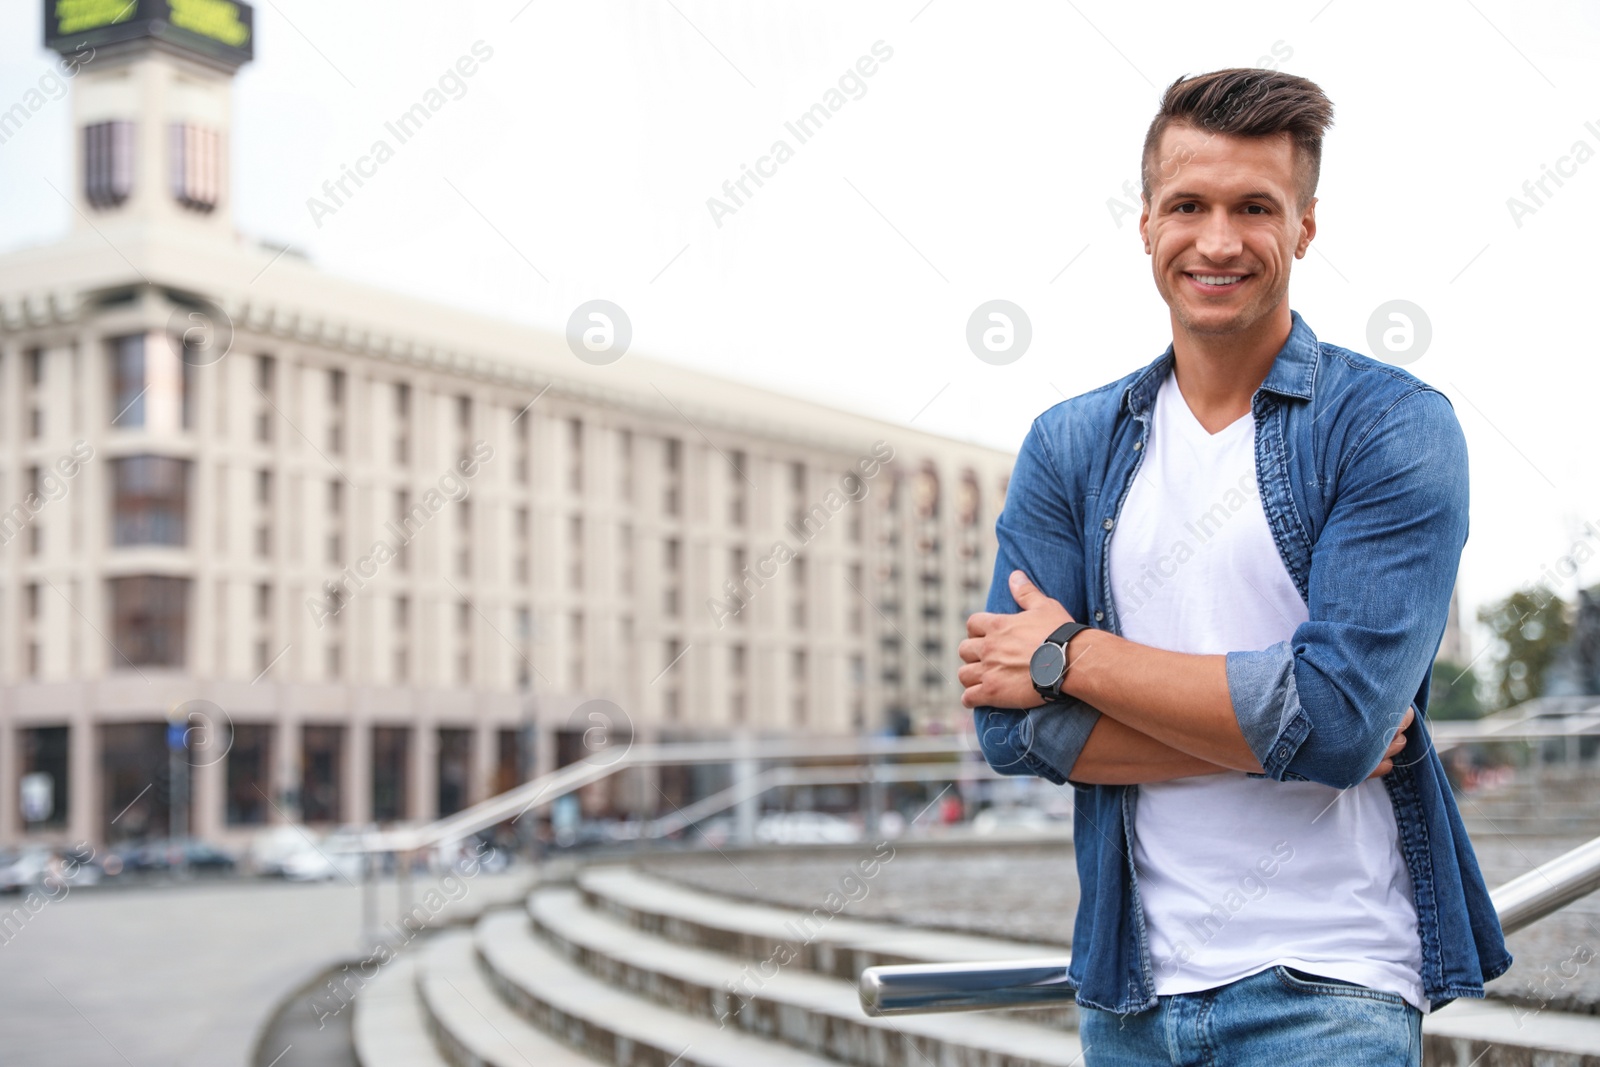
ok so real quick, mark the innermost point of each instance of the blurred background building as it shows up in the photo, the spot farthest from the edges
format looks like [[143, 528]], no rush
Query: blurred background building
[[278, 546]]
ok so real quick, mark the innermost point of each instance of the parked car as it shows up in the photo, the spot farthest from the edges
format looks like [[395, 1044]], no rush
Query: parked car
[[271, 846], [135, 857], [1009, 821], [80, 865], [183, 855], [585, 833], [48, 866], [333, 855], [201, 856], [23, 868], [806, 828]]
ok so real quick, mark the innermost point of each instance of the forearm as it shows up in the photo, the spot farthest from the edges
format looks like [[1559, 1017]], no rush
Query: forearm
[[1179, 700], [1117, 754]]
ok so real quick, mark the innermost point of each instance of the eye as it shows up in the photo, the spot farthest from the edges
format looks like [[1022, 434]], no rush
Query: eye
[[1188, 203], [1258, 208]]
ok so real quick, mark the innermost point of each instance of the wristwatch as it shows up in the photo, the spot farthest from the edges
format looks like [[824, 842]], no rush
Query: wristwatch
[[1048, 666]]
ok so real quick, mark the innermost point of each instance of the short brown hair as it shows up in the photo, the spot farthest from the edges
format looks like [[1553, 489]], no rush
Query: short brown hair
[[1246, 102]]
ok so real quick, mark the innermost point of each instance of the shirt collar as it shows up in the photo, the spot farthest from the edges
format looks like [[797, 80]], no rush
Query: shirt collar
[[1293, 369]]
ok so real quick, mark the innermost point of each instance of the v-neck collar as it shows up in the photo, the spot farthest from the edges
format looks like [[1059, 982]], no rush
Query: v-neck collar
[[1193, 426]]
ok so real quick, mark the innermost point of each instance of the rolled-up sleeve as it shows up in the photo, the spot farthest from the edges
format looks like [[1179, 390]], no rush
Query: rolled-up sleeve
[[1039, 534], [1323, 705]]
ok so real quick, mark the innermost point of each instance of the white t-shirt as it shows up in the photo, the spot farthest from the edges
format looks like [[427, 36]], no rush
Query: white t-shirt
[[1238, 874]]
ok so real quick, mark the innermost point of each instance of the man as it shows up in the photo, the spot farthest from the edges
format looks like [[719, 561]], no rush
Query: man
[[1220, 586]]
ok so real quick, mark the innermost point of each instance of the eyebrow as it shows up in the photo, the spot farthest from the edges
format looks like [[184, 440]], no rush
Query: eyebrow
[[1257, 194]]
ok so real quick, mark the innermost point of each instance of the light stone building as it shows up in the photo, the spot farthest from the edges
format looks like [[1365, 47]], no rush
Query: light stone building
[[379, 559]]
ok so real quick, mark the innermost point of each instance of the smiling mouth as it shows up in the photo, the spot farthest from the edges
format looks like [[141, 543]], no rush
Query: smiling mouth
[[1216, 280], [1216, 283]]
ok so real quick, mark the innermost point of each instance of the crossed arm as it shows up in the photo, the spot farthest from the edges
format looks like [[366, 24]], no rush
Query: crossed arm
[[1324, 705], [1164, 715]]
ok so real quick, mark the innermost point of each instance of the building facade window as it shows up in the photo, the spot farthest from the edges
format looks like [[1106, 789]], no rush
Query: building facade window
[[150, 389], [454, 769], [45, 767], [127, 381], [107, 163], [249, 774], [402, 418], [265, 371], [195, 159], [391, 759], [672, 490], [575, 455], [149, 621], [150, 500], [322, 774]]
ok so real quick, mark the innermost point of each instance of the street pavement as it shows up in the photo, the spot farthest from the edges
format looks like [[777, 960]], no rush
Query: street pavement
[[181, 975]]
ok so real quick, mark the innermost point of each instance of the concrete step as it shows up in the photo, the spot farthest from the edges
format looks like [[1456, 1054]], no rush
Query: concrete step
[[828, 942], [614, 1026], [1464, 1032], [390, 1026], [771, 998], [470, 1023]]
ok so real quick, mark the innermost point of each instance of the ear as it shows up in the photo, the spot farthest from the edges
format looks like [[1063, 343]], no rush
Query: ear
[[1308, 229]]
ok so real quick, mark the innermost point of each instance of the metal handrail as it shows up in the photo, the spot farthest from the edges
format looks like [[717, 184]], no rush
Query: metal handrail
[[1548, 888], [745, 754], [920, 988], [779, 777], [549, 787]]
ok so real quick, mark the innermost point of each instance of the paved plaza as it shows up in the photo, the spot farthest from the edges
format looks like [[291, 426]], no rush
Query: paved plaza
[[180, 975]]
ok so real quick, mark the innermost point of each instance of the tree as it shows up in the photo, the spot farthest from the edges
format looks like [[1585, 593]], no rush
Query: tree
[[1530, 629], [1452, 694]]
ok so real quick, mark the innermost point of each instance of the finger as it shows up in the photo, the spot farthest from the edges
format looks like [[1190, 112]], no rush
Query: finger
[[970, 650], [970, 674], [979, 623], [1024, 592], [1383, 768]]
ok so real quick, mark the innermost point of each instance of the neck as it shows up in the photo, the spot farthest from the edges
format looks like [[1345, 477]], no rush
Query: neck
[[1218, 374]]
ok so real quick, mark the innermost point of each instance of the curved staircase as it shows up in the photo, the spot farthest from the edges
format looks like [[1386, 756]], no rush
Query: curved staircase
[[627, 968], [623, 966]]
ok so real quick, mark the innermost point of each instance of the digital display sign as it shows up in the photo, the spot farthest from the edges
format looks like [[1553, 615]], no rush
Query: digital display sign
[[221, 30]]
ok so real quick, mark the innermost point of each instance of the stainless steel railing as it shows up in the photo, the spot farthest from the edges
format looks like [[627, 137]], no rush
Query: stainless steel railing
[[921, 988], [867, 764], [750, 755]]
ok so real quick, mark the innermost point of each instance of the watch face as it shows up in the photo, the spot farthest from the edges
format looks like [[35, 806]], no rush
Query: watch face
[[1046, 666]]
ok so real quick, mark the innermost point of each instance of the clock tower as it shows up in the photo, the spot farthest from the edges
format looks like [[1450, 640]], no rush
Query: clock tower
[[151, 107]]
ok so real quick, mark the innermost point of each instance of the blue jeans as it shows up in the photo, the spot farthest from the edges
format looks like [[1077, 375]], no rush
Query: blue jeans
[[1280, 1016]]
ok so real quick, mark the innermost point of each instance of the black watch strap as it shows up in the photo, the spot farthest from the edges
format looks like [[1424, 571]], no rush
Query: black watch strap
[[1065, 632]]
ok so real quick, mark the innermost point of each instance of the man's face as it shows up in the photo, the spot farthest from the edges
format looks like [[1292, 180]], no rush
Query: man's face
[[1225, 210]]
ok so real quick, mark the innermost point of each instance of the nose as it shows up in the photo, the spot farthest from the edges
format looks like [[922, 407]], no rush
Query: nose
[[1219, 239]]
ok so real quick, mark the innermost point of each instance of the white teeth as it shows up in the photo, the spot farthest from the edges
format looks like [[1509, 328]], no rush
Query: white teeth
[[1217, 279]]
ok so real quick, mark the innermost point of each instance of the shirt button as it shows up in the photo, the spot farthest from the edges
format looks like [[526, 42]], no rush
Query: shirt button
[[1106, 525], [1138, 445], [1099, 615]]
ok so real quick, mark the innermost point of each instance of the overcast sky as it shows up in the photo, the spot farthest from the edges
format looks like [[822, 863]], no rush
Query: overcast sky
[[980, 160]]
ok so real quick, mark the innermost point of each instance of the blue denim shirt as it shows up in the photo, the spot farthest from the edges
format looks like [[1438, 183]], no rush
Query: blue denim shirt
[[1363, 476]]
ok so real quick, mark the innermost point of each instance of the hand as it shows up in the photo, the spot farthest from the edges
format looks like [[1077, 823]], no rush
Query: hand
[[998, 647], [1397, 743]]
